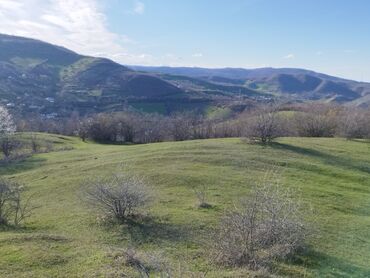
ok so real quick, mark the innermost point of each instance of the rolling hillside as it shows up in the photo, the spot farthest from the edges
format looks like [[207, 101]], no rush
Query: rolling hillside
[[37, 77], [64, 238]]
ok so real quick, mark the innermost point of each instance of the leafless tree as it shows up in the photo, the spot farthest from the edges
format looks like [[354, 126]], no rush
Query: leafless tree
[[13, 208], [8, 144], [317, 120], [182, 127], [35, 143], [267, 225], [119, 196], [262, 124], [354, 123], [83, 129]]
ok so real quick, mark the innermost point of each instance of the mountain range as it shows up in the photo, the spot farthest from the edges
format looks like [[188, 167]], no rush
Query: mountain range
[[296, 84], [38, 77]]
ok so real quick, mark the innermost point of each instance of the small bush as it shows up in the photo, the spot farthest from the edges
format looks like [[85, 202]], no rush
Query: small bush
[[267, 226], [118, 196], [13, 208], [8, 145]]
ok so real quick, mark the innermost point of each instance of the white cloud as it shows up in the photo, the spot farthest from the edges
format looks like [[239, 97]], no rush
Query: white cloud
[[139, 7], [289, 56], [79, 25], [319, 53], [197, 55]]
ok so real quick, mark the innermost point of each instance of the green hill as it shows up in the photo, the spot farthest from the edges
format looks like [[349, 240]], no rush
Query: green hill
[[63, 238], [38, 77]]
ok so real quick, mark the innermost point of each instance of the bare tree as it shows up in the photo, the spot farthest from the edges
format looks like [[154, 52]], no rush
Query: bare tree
[[13, 208], [182, 127], [317, 120], [262, 124], [268, 225], [119, 196], [8, 144], [34, 143], [354, 123], [83, 129]]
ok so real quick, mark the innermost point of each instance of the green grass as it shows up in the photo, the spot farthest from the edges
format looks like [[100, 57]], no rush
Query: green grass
[[214, 112], [159, 108], [26, 62], [77, 67], [64, 239]]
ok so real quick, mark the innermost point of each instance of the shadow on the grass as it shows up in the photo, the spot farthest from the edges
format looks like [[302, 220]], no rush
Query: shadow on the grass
[[21, 165], [149, 229], [329, 266], [350, 164]]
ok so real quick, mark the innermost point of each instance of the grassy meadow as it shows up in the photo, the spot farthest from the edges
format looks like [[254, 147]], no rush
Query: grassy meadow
[[65, 238]]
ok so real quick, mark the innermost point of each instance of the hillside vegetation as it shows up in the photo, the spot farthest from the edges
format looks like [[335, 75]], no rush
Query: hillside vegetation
[[64, 238], [38, 77]]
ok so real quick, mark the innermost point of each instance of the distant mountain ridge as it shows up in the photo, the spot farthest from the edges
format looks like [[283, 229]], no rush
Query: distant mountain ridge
[[291, 82], [39, 77], [42, 78]]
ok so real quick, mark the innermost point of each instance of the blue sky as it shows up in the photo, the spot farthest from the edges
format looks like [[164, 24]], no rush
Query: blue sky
[[330, 36]]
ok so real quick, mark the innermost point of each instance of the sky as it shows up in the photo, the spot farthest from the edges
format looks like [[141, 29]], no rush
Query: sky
[[329, 36]]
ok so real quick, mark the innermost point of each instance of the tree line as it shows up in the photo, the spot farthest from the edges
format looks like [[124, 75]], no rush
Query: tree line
[[262, 123]]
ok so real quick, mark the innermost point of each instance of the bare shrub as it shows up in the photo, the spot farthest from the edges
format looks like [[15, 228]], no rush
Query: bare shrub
[[8, 144], [35, 143], [131, 258], [261, 124], [267, 226], [13, 208], [118, 196], [182, 127], [317, 120], [354, 123]]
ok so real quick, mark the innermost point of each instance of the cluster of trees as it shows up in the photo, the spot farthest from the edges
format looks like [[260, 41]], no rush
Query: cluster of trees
[[262, 123], [129, 127], [267, 122], [132, 127]]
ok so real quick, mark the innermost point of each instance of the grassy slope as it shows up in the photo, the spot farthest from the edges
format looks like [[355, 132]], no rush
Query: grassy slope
[[63, 239]]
